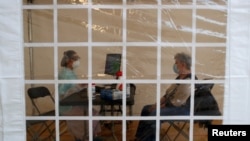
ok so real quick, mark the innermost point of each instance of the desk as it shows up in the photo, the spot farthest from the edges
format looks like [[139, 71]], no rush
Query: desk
[[81, 98]]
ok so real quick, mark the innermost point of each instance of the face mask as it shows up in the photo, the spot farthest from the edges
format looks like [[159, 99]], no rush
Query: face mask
[[76, 64], [175, 69]]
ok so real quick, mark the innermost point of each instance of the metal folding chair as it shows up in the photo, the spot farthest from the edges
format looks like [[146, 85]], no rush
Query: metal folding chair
[[39, 130], [204, 104], [177, 125]]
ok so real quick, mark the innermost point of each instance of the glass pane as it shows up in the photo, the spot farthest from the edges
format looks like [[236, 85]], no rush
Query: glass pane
[[108, 100], [209, 99], [207, 57], [73, 99], [102, 2], [82, 70], [141, 66], [218, 93], [38, 25], [36, 2], [146, 129], [111, 130], [39, 99], [72, 2], [107, 25], [151, 2], [176, 99], [99, 62], [40, 130], [167, 60], [201, 132], [211, 25], [176, 25], [71, 130], [174, 130], [65, 134], [142, 25], [131, 129], [39, 63], [72, 25], [177, 2], [148, 92], [212, 2]]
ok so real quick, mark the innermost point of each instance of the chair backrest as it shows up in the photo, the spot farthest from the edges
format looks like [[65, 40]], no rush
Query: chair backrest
[[39, 92], [205, 103]]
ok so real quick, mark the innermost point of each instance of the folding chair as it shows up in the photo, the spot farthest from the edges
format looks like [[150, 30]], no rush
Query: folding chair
[[179, 127], [35, 93], [40, 130], [204, 104]]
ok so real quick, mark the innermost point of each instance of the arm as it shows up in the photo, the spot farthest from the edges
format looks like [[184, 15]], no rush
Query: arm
[[162, 104], [181, 95], [163, 99]]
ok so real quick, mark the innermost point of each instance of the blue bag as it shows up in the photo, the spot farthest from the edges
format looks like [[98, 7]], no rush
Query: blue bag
[[107, 94]]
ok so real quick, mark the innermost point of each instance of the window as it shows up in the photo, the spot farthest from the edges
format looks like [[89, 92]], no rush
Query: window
[[147, 33]]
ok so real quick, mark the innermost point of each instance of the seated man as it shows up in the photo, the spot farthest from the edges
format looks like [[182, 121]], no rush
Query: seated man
[[172, 103]]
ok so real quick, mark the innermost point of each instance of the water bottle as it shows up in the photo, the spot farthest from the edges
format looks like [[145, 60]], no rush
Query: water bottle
[[128, 90], [117, 95]]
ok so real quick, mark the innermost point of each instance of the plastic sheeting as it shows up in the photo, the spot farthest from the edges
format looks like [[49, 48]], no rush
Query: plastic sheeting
[[12, 72]]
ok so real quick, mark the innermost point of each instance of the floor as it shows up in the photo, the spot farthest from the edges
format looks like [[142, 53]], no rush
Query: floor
[[200, 134]]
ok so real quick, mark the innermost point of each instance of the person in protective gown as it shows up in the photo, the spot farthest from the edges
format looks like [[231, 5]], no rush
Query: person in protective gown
[[70, 61]]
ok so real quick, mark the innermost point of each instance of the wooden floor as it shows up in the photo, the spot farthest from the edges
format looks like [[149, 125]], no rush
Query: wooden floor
[[200, 134]]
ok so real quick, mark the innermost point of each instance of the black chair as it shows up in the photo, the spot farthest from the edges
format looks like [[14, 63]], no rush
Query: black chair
[[204, 105], [41, 129], [35, 93]]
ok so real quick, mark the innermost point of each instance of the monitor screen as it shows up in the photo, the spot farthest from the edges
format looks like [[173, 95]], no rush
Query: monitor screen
[[113, 63]]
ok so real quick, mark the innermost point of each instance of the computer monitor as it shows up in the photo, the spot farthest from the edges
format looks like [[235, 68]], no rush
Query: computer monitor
[[113, 64]]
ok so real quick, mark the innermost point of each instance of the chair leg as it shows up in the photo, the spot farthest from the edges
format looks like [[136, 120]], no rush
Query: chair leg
[[176, 127], [42, 128], [180, 131]]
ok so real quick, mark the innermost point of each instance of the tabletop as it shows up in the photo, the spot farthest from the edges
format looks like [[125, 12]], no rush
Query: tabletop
[[81, 98]]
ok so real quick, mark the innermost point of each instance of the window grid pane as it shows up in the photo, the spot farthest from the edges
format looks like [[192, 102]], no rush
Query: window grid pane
[[146, 33]]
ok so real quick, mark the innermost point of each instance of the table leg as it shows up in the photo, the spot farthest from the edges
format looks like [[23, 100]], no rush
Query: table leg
[[85, 112], [112, 110], [113, 123]]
